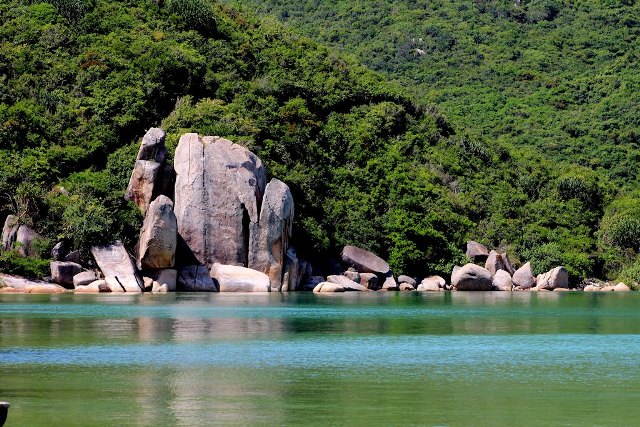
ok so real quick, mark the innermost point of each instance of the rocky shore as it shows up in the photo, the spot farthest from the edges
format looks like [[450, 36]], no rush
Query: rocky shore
[[212, 223]]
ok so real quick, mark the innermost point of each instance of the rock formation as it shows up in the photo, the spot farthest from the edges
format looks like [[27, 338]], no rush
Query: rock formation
[[476, 251], [158, 236], [218, 190], [195, 278], [523, 277], [270, 242], [9, 232], [146, 179], [556, 278], [502, 281], [62, 272], [24, 239], [364, 261]]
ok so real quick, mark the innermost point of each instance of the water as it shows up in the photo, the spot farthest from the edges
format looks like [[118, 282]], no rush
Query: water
[[458, 359]]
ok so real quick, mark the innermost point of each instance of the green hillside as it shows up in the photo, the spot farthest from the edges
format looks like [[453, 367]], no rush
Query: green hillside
[[81, 81], [558, 76]]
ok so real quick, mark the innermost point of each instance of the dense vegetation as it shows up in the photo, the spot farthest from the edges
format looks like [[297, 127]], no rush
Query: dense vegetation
[[81, 81]]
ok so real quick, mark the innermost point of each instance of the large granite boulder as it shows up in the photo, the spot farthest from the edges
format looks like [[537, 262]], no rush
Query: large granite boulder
[[432, 284], [62, 272], [328, 287], [270, 242], [167, 277], [195, 278], [471, 277], [24, 241], [556, 278], [369, 281], [389, 283], [114, 261], [524, 278], [232, 278], [406, 279], [502, 281], [146, 179], [477, 252], [218, 190], [9, 232], [158, 236], [59, 251], [364, 261]]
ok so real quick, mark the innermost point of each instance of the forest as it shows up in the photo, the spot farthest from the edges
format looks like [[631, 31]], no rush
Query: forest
[[405, 128]]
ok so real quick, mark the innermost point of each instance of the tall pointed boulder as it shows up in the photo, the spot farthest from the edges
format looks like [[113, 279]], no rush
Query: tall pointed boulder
[[146, 179], [218, 189], [271, 242], [158, 236]]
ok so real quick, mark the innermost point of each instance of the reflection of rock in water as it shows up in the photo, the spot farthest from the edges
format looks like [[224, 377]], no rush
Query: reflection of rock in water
[[4, 410]]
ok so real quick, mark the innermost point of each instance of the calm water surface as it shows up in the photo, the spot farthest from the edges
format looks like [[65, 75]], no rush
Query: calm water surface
[[445, 359]]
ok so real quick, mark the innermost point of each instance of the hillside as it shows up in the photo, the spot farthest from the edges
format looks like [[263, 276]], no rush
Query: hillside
[[80, 82], [558, 76]]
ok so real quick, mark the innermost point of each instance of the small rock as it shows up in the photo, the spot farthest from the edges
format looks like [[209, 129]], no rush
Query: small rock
[[502, 281], [406, 279], [476, 251], [390, 283], [328, 287], [84, 278], [73, 256], [556, 278], [45, 289], [406, 287], [621, 287], [472, 277], [523, 277], [167, 277], [159, 289], [62, 272], [431, 282], [232, 278], [364, 261], [148, 283], [591, 288], [369, 281], [352, 275]]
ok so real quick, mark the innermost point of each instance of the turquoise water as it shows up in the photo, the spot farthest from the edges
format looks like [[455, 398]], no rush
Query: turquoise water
[[301, 359]]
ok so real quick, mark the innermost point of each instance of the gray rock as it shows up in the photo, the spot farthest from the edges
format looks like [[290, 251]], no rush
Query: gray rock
[[406, 287], [195, 278], [93, 287], [346, 283], [406, 279], [158, 236], [364, 261], [326, 287], [502, 281], [167, 277], [497, 261], [270, 242], [59, 251], [232, 278], [219, 186], [114, 261], [432, 284], [62, 272], [591, 288], [24, 241], [146, 179], [369, 281], [9, 232], [556, 278], [389, 283], [292, 271], [84, 278], [472, 277], [352, 275], [524, 277], [73, 256], [114, 284], [476, 251], [19, 283]]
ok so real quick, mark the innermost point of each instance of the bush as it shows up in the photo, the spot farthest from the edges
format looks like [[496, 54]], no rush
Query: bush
[[197, 14], [33, 268]]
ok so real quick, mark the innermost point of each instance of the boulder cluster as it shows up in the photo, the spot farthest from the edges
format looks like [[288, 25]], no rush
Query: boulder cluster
[[213, 223]]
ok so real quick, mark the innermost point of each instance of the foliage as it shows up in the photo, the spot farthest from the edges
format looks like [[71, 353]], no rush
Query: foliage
[[13, 263]]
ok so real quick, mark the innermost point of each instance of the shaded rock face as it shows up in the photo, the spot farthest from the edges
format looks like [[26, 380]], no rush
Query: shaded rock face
[[502, 281], [218, 190], [293, 271], [158, 236], [472, 277], [167, 277], [406, 279], [270, 242], [232, 278], [195, 278], [327, 287], [59, 251], [146, 179], [346, 283], [63, 272], [114, 261], [84, 278], [476, 251], [523, 277], [9, 232], [364, 261], [556, 278], [369, 281], [24, 239]]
